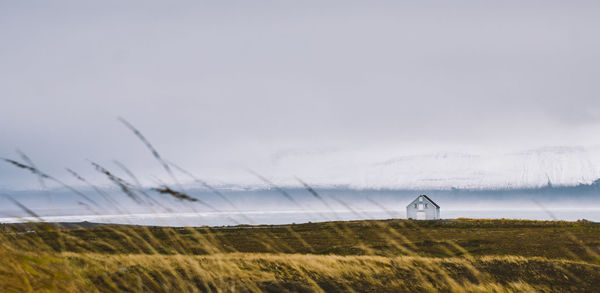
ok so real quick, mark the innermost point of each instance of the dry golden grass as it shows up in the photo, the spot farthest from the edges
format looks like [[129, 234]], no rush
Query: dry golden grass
[[252, 272], [150, 259]]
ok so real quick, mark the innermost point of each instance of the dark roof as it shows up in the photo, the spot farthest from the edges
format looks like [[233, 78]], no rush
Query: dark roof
[[429, 199]]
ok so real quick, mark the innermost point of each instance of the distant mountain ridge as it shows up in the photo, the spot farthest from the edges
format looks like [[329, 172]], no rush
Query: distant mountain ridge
[[562, 166]]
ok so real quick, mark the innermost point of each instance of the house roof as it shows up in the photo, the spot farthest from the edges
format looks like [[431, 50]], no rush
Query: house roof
[[433, 202], [429, 199]]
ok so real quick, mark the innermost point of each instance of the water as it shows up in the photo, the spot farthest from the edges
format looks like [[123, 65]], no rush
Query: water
[[301, 216], [268, 206]]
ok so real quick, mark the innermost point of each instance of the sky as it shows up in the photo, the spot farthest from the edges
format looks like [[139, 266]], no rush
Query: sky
[[324, 90]]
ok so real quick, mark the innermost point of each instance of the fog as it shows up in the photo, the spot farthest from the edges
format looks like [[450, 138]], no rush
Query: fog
[[319, 89]]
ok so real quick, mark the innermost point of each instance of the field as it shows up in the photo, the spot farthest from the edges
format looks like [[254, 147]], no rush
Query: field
[[379, 256]]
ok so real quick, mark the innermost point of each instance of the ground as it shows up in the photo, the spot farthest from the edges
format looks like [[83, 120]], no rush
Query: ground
[[378, 256]]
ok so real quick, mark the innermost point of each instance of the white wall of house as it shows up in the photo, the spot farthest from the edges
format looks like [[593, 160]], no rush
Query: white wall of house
[[421, 208]]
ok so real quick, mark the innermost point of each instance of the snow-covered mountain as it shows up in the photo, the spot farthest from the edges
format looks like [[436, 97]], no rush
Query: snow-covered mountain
[[386, 169], [482, 170]]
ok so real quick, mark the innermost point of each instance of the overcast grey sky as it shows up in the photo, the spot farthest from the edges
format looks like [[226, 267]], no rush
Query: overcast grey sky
[[219, 86]]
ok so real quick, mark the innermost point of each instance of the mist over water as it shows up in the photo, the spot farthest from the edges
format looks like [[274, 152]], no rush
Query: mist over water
[[269, 206]]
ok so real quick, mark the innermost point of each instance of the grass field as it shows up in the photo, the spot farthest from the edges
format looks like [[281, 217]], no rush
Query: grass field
[[378, 256]]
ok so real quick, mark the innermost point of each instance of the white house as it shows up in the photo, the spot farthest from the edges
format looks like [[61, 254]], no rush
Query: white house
[[423, 208]]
